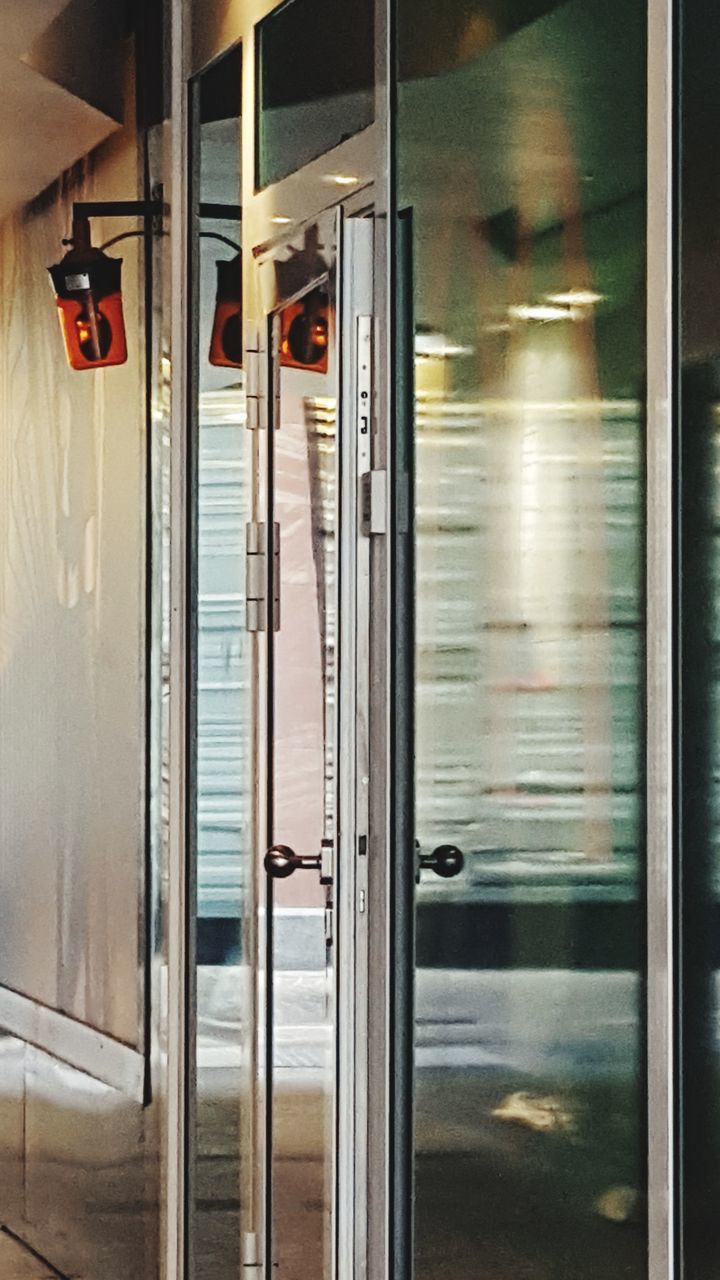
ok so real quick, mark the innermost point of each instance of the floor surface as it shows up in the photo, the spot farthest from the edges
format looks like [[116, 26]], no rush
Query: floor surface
[[17, 1263]]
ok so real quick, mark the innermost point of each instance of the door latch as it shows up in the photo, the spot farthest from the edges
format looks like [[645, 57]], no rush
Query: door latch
[[373, 500]]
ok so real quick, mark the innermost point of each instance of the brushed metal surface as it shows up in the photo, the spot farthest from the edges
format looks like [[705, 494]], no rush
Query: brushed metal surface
[[18, 1263], [89, 1202], [73, 1042], [12, 1130], [72, 500], [661, 1013]]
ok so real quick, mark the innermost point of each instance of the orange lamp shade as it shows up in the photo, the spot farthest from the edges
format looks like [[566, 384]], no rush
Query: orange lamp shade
[[226, 340], [89, 302], [304, 333]]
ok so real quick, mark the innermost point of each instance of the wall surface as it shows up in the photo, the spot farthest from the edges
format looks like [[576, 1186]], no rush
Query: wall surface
[[78, 1134], [72, 495]]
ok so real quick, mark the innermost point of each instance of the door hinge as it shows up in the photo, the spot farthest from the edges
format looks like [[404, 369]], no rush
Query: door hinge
[[256, 379], [373, 499], [256, 575]]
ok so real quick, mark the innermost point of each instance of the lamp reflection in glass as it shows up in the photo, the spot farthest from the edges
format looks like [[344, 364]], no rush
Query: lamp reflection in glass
[[304, 333], [89, 300], [226, 340]]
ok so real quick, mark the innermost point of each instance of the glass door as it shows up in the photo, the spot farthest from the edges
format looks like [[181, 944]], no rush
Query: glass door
[[303, 598], [521, 143]]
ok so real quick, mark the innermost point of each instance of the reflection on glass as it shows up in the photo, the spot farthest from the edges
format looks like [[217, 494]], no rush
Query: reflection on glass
[[309, 103], [221, 705], [303, 812], [521, 144], [700, 585]]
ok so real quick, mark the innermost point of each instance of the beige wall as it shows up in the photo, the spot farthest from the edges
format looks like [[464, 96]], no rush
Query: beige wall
[[72, 477]]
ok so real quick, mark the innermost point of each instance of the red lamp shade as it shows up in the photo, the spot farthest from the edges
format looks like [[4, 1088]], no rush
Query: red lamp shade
[[226, 340], [89, 301], [304, 333]]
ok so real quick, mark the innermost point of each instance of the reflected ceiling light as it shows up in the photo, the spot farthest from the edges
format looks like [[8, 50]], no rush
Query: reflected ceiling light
[[281, 221], [576, 298], [430, 344], [542, 311], [89, 301], [341, 179]]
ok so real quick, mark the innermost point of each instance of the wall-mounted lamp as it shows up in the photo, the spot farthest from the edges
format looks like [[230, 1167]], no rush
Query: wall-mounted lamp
[[89, 301], [87, 285], [88, 291]]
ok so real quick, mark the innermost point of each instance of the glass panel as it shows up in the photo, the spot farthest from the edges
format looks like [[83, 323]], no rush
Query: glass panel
[[308, 104], [522, 158], [700, 634], [302, 802], [221, 500]]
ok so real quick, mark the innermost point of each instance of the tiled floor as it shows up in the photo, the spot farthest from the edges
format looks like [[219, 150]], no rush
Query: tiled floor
[[17, 1264]]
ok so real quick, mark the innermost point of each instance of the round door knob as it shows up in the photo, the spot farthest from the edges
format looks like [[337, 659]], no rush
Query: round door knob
[[446, 861], [281, 861]]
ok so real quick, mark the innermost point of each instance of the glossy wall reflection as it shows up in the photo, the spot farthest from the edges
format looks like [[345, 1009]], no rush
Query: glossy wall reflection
[[522, 159]]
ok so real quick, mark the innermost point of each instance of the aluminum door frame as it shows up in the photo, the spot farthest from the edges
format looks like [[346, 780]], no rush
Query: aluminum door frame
[[662, 646], [359, 525], [360, 517]]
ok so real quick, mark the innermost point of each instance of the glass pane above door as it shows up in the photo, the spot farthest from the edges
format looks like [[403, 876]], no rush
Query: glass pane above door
[[521, 142], [309, 104]]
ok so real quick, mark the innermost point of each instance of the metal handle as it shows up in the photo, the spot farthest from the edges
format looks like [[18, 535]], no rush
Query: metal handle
[[446, 861], [281, 861]]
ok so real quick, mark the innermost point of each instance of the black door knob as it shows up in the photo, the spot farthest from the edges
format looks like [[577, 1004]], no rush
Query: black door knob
[[281, 861], [446, 861]]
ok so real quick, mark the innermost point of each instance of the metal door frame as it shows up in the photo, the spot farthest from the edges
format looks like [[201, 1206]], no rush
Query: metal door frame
[[359, 517], [662, 657]]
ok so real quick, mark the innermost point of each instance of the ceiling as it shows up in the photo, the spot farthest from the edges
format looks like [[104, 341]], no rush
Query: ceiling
[[51, 109]]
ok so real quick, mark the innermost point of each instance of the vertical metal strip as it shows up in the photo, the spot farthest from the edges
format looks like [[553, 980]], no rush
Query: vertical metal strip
[[382, 1121], [352, 685], [661, 959], [175, 1129]]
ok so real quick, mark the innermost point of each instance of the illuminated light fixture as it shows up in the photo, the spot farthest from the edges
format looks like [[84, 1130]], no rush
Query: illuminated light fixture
[[304, 333], [576, 298], [544, 312], [226, 342], [89, 301], [281, 221], [341, 179], [87, 282]]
